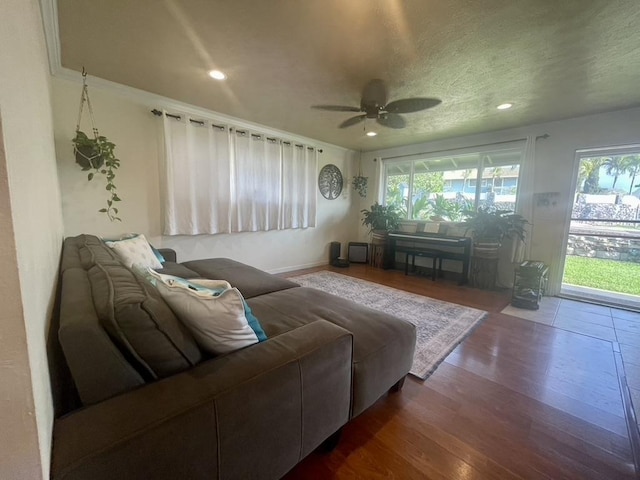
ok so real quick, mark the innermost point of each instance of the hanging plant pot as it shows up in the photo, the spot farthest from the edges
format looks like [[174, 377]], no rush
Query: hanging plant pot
[[360, 185], [359, 181], [87, 152]]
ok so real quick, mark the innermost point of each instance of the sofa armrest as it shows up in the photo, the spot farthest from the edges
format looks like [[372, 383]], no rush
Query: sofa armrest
[[259, 409], [169, 254]]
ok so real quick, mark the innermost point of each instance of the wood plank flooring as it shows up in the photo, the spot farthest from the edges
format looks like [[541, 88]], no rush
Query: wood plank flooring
[[516, 399]]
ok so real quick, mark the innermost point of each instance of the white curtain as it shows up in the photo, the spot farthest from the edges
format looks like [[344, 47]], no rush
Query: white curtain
[[257, 183], [220, 180], [525, 197], [299, 167]]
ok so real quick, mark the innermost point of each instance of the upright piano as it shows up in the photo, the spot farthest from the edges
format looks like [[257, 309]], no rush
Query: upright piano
[[445, 247]]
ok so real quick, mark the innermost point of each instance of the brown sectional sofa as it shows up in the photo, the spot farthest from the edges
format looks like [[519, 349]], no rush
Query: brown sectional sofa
[[155, 406]]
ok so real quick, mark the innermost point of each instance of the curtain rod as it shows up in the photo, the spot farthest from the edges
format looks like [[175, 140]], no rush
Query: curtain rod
[[546, 135], [158, 113]]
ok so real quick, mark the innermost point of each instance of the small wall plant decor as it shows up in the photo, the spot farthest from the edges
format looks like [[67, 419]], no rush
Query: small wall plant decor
[[359, 182], [360, 185], [96, 155]]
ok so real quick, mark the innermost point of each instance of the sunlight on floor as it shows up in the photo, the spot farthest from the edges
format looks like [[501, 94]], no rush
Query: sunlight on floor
[[599, 321]]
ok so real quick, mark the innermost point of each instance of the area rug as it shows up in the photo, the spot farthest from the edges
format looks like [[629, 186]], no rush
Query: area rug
[[440, 326]]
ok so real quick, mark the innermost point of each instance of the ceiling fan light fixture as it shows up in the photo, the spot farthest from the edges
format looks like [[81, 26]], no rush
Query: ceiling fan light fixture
[[504, 106], [374, 106], [217, 74], [371, 134]]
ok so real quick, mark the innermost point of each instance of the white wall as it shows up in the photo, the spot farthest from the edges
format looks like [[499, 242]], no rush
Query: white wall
[[554, 169], [31, 236], [127, 121]]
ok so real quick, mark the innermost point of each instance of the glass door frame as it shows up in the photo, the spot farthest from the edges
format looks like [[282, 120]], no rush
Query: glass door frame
[[579, 155]]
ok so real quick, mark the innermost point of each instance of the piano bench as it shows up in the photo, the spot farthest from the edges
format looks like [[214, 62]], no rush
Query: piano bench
[[436, 256]]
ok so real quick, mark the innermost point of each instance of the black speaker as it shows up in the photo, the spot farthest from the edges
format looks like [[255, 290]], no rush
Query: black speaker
[[334, 252], [334, 256]]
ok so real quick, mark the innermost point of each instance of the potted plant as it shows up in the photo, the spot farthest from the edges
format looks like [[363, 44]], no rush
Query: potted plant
[[493, 226], [380, 219], [359, 183], [96, 154], [489, 228]]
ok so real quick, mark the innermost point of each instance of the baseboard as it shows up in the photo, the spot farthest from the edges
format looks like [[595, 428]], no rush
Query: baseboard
[[292, 268]]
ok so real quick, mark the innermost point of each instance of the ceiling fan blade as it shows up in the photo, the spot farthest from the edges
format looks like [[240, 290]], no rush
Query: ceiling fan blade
[[391, 120], [352, 121], [336, 108], [408, 105], [374, 93]]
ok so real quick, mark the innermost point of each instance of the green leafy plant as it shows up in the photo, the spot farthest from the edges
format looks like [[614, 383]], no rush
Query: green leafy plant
[[97, 154], [360, 185], [381, 217], [452, 210], [494, 225]]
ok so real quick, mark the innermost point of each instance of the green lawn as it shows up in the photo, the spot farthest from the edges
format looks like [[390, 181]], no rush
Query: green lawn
[[622, 277]]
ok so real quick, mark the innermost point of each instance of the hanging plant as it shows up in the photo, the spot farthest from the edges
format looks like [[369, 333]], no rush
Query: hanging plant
[[96, 153], [360, 185], [359, 182]]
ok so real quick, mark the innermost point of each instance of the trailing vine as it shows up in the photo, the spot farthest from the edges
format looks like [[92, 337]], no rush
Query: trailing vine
[[359, 181], [97, 154]]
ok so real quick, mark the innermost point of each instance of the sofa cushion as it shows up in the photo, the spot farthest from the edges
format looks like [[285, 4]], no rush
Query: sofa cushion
[[99, 369], [71, 254], [92, 250], [141, 323], [249, 280], [383, 345], [177, 270]]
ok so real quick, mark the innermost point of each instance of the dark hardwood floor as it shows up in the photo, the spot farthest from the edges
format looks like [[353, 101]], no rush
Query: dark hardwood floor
[[516, 399]]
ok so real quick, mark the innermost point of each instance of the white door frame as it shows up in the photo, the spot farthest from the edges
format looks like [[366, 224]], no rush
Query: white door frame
[[582, 153]]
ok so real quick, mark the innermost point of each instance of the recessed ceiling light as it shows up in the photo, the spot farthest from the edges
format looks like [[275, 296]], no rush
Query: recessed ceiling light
[[217, 74], [504, 106], [371, 134]]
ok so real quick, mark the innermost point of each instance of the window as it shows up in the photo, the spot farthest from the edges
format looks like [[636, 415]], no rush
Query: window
[[446, 186]]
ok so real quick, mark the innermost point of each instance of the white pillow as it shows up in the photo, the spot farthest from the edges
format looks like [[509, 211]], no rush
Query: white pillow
[[215, 315], [135, 252]]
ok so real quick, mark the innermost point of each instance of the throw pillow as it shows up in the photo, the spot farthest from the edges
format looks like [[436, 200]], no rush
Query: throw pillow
[[135, 252], [214, 312], [156, 252], [204, 284]]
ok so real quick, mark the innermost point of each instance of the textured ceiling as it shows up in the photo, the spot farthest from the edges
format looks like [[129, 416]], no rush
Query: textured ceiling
[[552, 58]]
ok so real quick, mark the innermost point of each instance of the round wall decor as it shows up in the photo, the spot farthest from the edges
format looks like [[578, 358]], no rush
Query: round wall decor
[[330, 182]]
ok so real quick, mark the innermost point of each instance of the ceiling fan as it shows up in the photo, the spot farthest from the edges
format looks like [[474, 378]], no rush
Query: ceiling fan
[[374, 105]]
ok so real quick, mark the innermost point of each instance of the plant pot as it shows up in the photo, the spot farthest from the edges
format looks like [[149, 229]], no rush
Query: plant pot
[[488, 250], [380, 257], [379, 237], [88, 157], [484, 264]]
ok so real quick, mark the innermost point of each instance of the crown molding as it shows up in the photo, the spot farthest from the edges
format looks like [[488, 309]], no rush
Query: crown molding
[[152, 100], [49, 10]]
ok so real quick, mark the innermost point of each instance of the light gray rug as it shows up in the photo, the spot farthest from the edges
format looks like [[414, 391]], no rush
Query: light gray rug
[[440, 325]]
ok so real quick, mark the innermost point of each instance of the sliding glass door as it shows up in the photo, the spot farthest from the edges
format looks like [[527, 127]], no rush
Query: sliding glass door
[[602, 261]]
